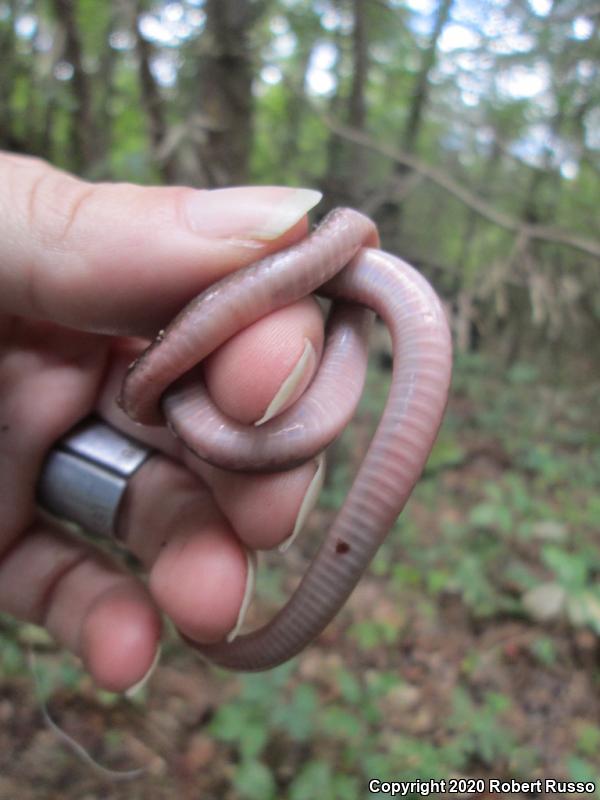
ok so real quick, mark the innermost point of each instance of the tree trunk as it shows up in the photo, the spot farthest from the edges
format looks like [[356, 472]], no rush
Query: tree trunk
[[295, 105], [104, 91], [7, 48], [391, 214], [153, 105], [466, 323], [225, 83], [346, 173], [357, 106], [420, 91], [82, 128]]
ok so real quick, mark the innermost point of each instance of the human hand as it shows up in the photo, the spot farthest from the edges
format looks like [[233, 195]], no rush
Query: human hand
[[83, 269]]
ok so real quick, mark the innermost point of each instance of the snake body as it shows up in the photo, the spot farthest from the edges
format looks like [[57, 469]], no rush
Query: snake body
[[338, 260]]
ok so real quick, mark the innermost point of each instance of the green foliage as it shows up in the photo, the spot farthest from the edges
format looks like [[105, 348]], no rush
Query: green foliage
[[11, 657], [348, 730], [489, 139], [341, 723], [317, 779], [371, 634], [447, 452], [297, 716], [481, 733], [575, 572], [571, 569], [582, 770], [484, 541], [243, 726], [544, 650], [588, 741], [523, 374], [336, 486], [254, 781]]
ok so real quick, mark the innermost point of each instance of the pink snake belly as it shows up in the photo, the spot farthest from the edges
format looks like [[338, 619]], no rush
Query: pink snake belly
[[337, 261]]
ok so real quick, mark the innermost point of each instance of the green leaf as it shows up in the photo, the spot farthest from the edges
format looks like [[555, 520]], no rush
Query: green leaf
[[341, 723], [314, 780], [544, 650], [346, 787], [522, 374], [588, 740], [230, 721], [296, 718], [254, 781], [349, 686], [497, 702], [447, 452], [437, 580], [571, 569], [370, 634], [583, 608], [491, 515], [253, 739], [581, 770]]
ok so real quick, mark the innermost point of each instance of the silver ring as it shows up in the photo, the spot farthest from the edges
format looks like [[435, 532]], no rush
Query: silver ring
[[85, 475]]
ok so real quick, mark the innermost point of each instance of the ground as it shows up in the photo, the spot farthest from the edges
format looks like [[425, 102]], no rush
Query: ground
[[470, 649]]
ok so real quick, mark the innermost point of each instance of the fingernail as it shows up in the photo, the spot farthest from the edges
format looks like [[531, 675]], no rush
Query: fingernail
[[248, 593], [293, 385], [143, 681], [309, 501], [261, 212]]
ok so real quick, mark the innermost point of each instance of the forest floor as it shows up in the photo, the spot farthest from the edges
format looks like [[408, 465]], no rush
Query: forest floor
[[471, 648]]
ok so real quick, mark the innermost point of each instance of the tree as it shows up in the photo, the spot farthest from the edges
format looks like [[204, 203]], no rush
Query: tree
[[469, 132]]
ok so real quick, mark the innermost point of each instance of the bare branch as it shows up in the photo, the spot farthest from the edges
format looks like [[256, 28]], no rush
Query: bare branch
[[478, 204]]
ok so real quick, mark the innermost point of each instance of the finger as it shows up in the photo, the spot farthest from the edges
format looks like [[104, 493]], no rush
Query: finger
[[264, 510], [198, 570], [262, 370], [254, 376], [50, 378], [48, 365], [122, 258], [86, 603]]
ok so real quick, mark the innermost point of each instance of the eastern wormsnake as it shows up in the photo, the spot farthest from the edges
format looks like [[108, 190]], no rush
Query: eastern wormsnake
[[335, 261]]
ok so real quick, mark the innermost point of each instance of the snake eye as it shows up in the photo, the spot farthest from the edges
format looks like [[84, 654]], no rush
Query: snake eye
[[342, 547]]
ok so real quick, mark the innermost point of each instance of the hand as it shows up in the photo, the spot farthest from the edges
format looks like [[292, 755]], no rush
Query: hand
[[84, 269]]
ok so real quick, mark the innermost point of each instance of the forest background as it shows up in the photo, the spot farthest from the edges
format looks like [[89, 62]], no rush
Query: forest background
[[470, 132]]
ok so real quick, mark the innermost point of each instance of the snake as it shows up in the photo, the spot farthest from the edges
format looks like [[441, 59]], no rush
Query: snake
[[340, 260]]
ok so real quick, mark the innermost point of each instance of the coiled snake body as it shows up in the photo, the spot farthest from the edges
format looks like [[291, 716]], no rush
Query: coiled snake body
[[337, 261]]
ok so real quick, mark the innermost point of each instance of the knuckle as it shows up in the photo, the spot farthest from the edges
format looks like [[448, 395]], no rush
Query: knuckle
[[53, 204]]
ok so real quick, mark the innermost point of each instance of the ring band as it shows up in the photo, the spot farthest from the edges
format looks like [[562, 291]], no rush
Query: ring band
[[85, 475]]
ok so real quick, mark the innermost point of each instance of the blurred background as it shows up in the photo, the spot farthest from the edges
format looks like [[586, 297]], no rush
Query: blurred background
[[470, 131]]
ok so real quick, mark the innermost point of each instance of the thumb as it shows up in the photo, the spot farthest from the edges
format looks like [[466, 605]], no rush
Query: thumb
[[119, 258]]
